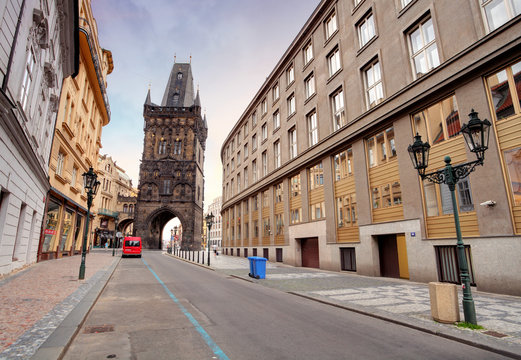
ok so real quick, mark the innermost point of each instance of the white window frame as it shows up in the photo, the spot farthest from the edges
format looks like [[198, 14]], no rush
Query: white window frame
[[264, 106], [331, 25], [373, 83], [264, 131], [276, 92], [310, 85], [28, 79], [276, 153], [312, 123], [60, 163], [291, 105], [366, 29], [338, 109], [276, 120], [290, 74], [264, 160], [292, 136], [333, 62], [427, 47], [308, 53], [508, 10]]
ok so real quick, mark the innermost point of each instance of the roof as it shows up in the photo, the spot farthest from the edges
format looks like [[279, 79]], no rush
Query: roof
[[179, 90]]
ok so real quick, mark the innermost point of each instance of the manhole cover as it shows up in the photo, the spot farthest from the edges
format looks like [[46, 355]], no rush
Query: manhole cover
[[98, 329], [494, 333]]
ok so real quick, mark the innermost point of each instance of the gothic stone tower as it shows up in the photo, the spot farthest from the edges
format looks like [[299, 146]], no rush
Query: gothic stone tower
[[171, 173]]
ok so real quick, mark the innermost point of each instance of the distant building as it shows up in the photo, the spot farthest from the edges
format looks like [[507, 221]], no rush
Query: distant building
[[38, 48], [317, 172], [171, 182], [116, 199], [215, 234], [83, 111]]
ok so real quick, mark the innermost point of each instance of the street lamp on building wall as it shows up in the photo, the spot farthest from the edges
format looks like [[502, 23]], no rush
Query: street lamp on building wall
[[476, 134], [91, 184], [209, 223], [173, 234]]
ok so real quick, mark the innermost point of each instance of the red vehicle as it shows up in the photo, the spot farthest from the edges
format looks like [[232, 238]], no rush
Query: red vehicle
[[131, 246]]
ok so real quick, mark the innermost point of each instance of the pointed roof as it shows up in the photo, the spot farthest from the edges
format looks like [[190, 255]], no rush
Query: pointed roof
[[197, 101], [179, 90], [204, 122], [147, 100]]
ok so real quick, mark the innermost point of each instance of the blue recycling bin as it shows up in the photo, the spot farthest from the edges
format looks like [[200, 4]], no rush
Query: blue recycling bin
[[257, 267]]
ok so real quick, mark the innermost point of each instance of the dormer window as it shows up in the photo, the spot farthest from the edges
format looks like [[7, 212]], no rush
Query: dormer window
[[176, 98], [179, 76]]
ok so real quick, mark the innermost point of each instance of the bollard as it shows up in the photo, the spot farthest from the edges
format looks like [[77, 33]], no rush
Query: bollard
[[198, 253]]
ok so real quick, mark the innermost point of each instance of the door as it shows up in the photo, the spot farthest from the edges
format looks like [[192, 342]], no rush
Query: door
[[388, 256], [310, 256]]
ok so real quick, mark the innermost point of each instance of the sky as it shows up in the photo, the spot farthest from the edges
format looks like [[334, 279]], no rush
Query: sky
[[234, 45]]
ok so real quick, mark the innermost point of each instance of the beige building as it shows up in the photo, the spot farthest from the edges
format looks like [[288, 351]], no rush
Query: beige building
[[115, 201], [83, 110], [316, 170]]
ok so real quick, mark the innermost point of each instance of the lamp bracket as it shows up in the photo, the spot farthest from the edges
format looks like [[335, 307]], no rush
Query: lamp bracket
[[450, 175]]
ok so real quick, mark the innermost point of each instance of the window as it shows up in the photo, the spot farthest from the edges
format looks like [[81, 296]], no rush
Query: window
[[238, 183], [60, 163], [233, 164], [232, 145], [266, 227], [386, 195], [513, 165], [177, 147], [238, 158], [28, 78], [74, 176], [373, 84], [312, 128], [264, 131], [276, 120], [310, 85], [337, 105], [438, 122], [255, 229], [381, 147], [245, 177], [232, 187], [265, 199], [253, 119], [264, 106], [405, 3], [256, 202], [308, 53], [498, 12], [330, 25], [291, 105], [504, 90], [295, 185], [179, 76], [279, 224], [348, 259], [333, 62], [278, 193], [346, 210], [161, 149], [254, 173], [296, 215], [264, 163], [166, 186], [276, 92], [316, 176], [317, 211], [290, 74], [343, 164], [366, 30], [424, 51], [447, 261], [245, 130], [276, 153], [254, 142], [292, 135], [245, 151]]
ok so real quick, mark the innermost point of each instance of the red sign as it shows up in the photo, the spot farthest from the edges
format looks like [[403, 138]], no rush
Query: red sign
[[50, 232]]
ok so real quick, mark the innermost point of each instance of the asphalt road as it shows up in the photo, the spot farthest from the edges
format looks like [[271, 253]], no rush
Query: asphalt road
[[159, 307]]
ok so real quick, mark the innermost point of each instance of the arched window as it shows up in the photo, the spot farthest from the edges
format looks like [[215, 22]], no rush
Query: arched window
[[177, 147], [125, 208], [131, 208], [162, 147]]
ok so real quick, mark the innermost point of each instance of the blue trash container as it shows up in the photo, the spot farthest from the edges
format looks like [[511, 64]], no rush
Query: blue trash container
[[257, 267]]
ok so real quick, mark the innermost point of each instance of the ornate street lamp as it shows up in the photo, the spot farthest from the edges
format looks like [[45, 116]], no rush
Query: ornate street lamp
[[209, 223], [91, 184], [476, 134]]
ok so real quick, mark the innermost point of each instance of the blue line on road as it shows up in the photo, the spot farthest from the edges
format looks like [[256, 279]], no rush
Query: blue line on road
[[209, 341]]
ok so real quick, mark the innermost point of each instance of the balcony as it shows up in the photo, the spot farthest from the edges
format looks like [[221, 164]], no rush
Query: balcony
[[107, 212]]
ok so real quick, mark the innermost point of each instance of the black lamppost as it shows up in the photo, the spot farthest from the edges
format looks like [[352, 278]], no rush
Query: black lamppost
[[91, 184], [476, 134], [174, 234], [115, 239], [209, 223]]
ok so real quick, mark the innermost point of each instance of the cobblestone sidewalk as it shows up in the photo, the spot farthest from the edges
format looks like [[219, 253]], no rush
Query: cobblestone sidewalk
[[33, 302]]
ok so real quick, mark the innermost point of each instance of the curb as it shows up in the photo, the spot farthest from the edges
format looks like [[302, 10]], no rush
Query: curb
[[59, 341], [189, 261]]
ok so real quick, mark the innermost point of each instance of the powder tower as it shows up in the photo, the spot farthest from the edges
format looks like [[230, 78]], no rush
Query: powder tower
[[171, 180]]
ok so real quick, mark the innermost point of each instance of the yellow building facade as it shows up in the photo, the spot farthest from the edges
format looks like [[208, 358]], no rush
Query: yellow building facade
[[82, 113]]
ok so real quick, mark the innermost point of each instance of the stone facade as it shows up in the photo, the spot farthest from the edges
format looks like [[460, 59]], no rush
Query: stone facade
[[171, 172]]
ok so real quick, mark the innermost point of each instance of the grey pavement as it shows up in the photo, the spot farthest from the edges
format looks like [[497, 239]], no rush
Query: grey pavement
[[395, 300]]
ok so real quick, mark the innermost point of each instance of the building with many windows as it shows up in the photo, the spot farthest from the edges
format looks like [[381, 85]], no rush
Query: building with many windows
[[325, 179], [83, 110], [38, 49], [216, 232]]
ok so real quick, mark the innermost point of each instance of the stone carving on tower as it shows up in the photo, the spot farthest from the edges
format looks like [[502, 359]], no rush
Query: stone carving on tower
[[171, 182]]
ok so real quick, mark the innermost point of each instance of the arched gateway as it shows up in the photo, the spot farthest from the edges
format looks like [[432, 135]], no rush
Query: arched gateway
[[171, 180]]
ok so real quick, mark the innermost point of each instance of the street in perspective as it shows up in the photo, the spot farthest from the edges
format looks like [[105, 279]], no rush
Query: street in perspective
[[305, 179]]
